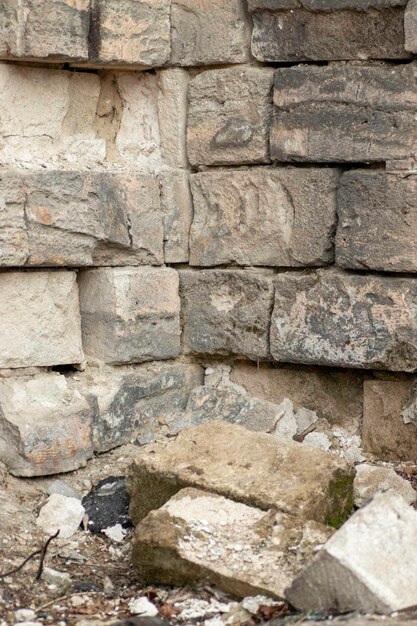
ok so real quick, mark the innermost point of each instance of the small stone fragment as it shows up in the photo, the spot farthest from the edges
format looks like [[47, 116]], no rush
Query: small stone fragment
[[61, 580], [367, 566], [199, 536], [60, 487], [266, 471], [107, 505], [142, 606], [60, 513], [24, 615], [115, 533], [372, 479], [317, 440]]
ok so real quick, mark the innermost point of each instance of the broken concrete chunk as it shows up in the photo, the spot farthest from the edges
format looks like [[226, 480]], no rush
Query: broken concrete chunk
[[229, 116], [254, 468], [410, 26], [33, 29], [42, 326], [384, 432], [272, 217], [60, 513], [337, 113], [386, 244], [298, 31], [198, 536], [372, 479], [334, 318], [226, 312], [211, 33], [106, 218], [368, 565], [125, 319]]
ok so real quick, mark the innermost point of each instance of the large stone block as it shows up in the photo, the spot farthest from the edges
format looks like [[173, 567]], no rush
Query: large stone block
[[229, 116], [226, 311], [305, 31], [177, 209], [272, 217], [45, 425], [410, 26], [377, 213], [130, 32], [266, 471], [136, 403], [209, 33], [39, 319], [384, 432], [47, 116], [334, 318], [334, 395], [203, 537], [368, 565], [53, 217], [338, 113], [35, 29], [130, 315]]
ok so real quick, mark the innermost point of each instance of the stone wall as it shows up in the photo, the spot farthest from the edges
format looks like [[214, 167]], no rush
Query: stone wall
[[190, 184]]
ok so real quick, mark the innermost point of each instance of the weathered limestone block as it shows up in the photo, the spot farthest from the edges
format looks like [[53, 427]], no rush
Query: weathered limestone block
[[177, 209], [330, 317], [334, 395], [330, 30], [254, 468], [130, 32], [344, 113], [35, 29], [203, 537], [377, 217], [130, 315], [45, 425], [372, 479], [172, 115], [39, 319], [136, 403], [229, 116], [53, 217], [410, 26], [209, 33], [226, 311], [384, 432], [48, 116], [368, 565], [207, 404], [273, 217]]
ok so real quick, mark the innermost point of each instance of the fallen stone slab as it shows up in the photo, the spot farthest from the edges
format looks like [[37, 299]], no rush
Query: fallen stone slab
[[266, 471], [60, 513], [372, 479], [368, 565], [198, 536]]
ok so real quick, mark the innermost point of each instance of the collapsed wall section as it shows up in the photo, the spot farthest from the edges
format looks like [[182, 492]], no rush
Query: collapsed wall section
[[189, 185]]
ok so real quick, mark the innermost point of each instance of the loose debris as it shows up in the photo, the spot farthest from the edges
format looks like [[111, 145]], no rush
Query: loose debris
[[107, 507]]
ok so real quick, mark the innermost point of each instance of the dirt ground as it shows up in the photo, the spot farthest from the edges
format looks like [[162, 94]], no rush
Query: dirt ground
[[102, 582]]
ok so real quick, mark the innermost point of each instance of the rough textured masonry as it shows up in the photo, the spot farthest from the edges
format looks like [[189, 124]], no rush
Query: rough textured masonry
[[206, 185]]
